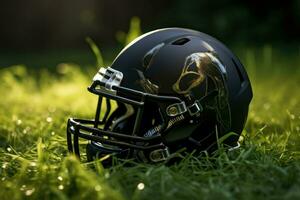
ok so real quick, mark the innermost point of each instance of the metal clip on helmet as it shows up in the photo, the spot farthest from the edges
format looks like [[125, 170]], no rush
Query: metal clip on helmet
[[167, 90]]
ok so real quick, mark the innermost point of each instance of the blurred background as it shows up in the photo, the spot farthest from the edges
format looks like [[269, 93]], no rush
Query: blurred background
[[45, 33]]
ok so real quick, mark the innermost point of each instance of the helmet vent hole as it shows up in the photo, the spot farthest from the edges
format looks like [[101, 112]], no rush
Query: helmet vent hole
[[181, 41]]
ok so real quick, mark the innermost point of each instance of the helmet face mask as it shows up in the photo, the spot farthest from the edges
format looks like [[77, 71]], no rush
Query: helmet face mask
[[121, 128], [148, 110]]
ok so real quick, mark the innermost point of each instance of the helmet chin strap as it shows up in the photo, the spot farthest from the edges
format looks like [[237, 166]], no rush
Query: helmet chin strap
[[194, 109], [155, 130], [157, 155]]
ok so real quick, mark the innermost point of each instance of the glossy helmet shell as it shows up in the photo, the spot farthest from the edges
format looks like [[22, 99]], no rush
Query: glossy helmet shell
[[165, 66], [182, 64]]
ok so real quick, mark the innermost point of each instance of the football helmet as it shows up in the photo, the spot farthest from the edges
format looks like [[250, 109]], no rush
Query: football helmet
[[167, 90]]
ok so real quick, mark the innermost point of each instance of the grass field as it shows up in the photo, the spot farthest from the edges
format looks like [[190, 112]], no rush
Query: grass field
[[34, 163]]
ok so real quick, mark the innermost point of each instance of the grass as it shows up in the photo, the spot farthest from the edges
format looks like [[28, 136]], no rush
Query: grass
[[34, 162]]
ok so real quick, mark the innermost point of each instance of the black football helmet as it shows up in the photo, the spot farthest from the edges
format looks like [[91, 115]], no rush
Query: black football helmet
[[169, 89]]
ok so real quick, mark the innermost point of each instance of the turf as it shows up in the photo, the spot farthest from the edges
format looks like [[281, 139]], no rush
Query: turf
[[34, 162]]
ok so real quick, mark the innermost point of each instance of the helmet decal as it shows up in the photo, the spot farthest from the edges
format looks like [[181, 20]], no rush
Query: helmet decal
[[199, 67], [195, 70]]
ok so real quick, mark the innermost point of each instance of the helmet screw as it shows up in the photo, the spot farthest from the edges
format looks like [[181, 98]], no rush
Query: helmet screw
[[173, 110], [191, 121]]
